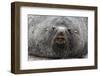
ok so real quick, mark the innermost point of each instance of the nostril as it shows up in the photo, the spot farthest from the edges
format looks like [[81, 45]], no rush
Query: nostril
[[61, 33]]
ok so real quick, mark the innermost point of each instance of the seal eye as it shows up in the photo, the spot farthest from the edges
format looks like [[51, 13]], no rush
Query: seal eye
[[53, 27], [69, 30], [76, 31]]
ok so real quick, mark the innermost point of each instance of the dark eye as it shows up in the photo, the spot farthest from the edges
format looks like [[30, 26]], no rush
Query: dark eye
[[69, 30], [76, 31], [53, 28]]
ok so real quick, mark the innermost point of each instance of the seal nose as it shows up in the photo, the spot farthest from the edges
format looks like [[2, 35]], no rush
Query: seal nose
[[61, 30], [61, 33]]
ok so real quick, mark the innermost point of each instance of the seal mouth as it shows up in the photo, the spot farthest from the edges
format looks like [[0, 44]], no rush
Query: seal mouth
[[60, 39]]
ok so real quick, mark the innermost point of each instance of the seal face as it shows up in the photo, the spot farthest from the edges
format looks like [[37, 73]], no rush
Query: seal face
[[58, 37], [59, 42]]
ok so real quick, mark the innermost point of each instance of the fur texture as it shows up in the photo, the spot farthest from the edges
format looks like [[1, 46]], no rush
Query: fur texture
[[57, 36]]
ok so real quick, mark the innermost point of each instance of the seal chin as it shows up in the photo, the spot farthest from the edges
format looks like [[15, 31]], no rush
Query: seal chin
[[59, 48]]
